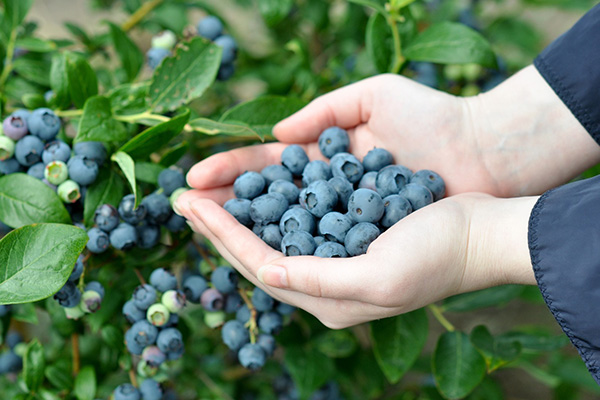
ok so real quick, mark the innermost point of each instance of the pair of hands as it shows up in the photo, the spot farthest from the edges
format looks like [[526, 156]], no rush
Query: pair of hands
[[465, 242]]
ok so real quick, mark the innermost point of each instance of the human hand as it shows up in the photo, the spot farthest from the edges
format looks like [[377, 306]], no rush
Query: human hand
[[459, 244]]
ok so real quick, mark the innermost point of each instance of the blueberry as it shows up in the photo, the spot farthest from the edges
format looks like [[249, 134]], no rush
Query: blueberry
[[83, 170], [68, 191], [272, 173], [106, 217], [225, 72], [28, 151], [171, 179], [234, 334], [270, 322], [7, 148], [44, 124], [320, 198], [124, 236], [233, 302], [286, 188], [155, 56], [130, 214], [164, 40], [127, 391], [22, 113], [4, 310], [391, 179], [261, 300], [90, 301], [13, 339], [175, 355], [98, 241], [368, 181], [225, 279], [144, 296], [96, 287], [193, 287], [94, 151], [153, 356], [151, 390], [77, 270], [298, 243], [347, 166], [396, 207], [431, 181], [56, 151], [297, 219], [210, 27], [176, 223], [159, 315], [377, 159], [331, 250], [14, 127], [174, 300], [267, 342], [148, 235], [144, 333], [360, 237], [240, 209], [334, 226], [212, 300], [163, 280], [252, 356], [56, 172], [169, 339], [243, 314], [343, 189], [268, 208], [229, 46], [10, 363], [270, 234], [249, 185], [132, 313], [333, 140], [132, 346], [418, 195], [9, 166], [295, 159], [319, 240], [68, 296], [365, 205], [37, 171], [158, 208], [315, 171]]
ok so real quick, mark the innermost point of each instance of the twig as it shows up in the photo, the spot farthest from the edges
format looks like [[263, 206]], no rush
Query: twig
[[8, 61], [204, 255], [252, 326], [437, 313], [139, 275], [139, 15], [75, 347], [132, 377]]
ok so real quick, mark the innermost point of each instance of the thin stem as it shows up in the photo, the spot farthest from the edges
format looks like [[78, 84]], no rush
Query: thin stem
[[133, 377], [139, 275], [137, 117], [68, 113], [212, 386], [205, 255], [139, 15], [75, 347], [8, 61], [252, 326], [439, 315], [399, 57]]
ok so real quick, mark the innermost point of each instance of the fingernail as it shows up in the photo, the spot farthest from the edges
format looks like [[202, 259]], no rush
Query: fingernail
[[272, 275], [176, 209]]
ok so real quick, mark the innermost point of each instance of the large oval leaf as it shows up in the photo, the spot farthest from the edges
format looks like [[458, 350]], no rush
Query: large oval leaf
[[127, 165], [36, 261], [34, 363], [82, 79], [398, 341], [496, 353], [451, 43], [85, 384], [107, 189], [98, 124], [26, 200], [379, 42], [309, 369], [130, 54], [495, 296]]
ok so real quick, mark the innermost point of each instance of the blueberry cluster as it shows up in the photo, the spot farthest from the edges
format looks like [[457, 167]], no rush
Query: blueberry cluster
[[342, 206], [128, 226], [11, 361], [285, 389], [210, 28], [149, 390]]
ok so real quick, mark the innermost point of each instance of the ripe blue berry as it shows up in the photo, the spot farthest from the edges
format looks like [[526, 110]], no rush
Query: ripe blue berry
[[229, 46], [148, 235], [286, 188], [210, 27], [431, 181], [132, 345], [158, 208], [212, 300], [96, 287], [83, 170], [123, 237], [56, 151], [333, 140], [270, 322], [298, 243], [261, 300], [268, 208], [155, 56], [153, 356], [94, 151], [368, 181], [270, 234], [151, 390], [391, 179], [132, 313], [252, 356], [295, 159], [234, 334], [267, 342], [377, 159], [320, 198], [9, 166], [418, 195], [360, 237], [37, 171], [144, 296], [297, 219], [226, 71], [144, 333], [343, 189], [193, 287], [68, 296], [347, 166], [44, 124], [77, 270], [14, 127], [233, 302], [130, 214], [365, 205], [106, 217], [285, 309], [127, 391], [225, 279], [331, 250], [243, 314], [249, 185], [334, 226], [396, 207], [12, 339], [272, 173], [315, 171], [171, 179], [175, 223], [163, 280], [169, 340], [10, 363], [28, 151], [98, 241], [240, 209]]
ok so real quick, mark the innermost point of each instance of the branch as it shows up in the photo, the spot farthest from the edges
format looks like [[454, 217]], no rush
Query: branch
[[139, 15]]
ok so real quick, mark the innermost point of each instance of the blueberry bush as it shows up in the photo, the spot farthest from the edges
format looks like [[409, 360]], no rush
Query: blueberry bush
[[105, 292]]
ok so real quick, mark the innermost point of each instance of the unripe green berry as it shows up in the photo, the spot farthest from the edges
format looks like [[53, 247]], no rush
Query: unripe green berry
[[214, 319], [175, 195], [164, 40], [20, 349], [90, 301], [56, 172], [470, 90], [158, 314], [7, 148], [453, 72], [471, 72], [74, 312], [145, 370], [174, 300], [69, 191]]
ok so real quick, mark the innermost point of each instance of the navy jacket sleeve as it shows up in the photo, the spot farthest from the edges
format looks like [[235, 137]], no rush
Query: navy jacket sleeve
[[564, 227]]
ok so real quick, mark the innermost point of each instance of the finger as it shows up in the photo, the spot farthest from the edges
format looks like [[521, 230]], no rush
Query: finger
[[219, 195], [346, 107]]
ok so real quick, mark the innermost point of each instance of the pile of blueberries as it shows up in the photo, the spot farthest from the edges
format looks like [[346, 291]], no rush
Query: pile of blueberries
[[210, 28], [342, 206], [149, 390], [29, 144], [125, 227]]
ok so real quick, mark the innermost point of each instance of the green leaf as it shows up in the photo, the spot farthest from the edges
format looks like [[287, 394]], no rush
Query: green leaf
[[112, 336], [127, 165], [26, 200], [534, 339], [496, 353], [36, 71], [308, 368], [59, 81], [451, 43], [36, 45], [98, 124], [59, 376], [174, 154], [152, 139], [495, 296], [16, 10], [33, 101], [184, 76], [371, 4], [129, 98], [82, 79], [34, 364], [85, 384], [210, 127], [131, 56], [274, 11], [263, 113], [379, 42], [336, 344], [457, 365], [25, 313], [398, 341], [36, 260], [148, 172], [107, 189]]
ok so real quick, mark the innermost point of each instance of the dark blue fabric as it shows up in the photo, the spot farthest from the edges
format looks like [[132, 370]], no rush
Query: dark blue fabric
[[564, 243], [571, 65]]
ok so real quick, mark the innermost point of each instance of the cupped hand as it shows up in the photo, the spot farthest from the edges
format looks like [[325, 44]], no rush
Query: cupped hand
[[458, 244]]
